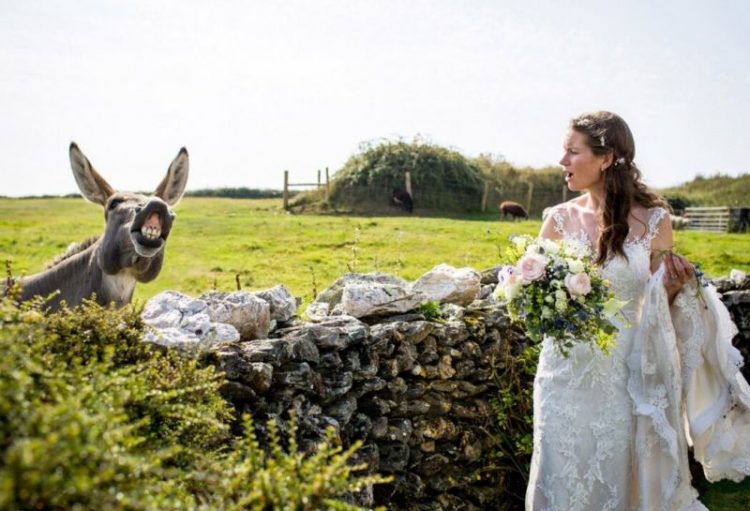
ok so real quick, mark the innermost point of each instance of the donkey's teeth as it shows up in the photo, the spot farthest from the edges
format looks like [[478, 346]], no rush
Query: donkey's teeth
[[150, 233]]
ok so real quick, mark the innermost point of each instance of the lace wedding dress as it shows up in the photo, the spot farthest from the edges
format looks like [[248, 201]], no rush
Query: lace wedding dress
[[609, 430]]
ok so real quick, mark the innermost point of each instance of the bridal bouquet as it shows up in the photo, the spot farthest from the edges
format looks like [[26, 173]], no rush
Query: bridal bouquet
[[555, 290]]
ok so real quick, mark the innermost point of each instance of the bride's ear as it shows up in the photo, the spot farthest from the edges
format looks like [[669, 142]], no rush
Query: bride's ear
[[609, 158]]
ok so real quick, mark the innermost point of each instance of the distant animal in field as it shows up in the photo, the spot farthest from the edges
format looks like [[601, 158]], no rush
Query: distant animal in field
[[514, 209], [679, 222], [130, 250], [402, 198]]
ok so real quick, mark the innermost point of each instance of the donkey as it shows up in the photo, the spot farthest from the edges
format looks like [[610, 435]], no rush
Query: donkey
[[130, 250]]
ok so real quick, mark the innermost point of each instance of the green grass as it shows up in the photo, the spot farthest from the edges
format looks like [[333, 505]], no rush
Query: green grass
[[216, 239]]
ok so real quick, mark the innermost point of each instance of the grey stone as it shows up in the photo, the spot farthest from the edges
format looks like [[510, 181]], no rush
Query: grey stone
[[343, 409], [179, 321], [337, 384], [437, 428], [394, 456], [446, 284], [373, 299], [246, 312], [283, 305], [333, 294]]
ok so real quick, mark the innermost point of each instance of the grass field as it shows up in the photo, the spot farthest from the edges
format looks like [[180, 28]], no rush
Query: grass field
[[216, 239]]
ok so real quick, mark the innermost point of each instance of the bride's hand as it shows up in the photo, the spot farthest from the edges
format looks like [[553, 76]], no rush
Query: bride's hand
[[678, 272]]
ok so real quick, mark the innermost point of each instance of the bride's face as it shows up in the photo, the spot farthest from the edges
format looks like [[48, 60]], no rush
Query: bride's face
[[583, 169]]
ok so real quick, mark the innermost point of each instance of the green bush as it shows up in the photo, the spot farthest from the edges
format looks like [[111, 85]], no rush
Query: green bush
[[91, 417], [513, 424]]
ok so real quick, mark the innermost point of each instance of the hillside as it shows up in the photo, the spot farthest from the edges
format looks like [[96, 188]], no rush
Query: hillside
[[717, 190]]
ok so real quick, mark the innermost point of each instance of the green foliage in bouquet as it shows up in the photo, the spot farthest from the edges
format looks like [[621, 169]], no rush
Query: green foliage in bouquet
[[556, 291], [91, 417]]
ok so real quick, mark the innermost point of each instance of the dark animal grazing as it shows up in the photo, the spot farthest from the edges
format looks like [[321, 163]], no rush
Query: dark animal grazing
[[130, 250], [514, 209], [403, 199]]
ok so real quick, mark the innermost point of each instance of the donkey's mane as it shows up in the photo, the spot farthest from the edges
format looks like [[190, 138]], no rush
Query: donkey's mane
[[73, 249]]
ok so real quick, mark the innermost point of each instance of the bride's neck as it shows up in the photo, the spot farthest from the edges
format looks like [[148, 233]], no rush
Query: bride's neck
[[594, 200]]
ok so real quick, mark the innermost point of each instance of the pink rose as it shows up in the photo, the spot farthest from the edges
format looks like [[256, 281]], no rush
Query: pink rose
[[578, 284], [532, 267]]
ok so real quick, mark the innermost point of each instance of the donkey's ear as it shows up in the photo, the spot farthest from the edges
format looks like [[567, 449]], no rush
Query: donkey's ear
[[172, 186], [93, 186]]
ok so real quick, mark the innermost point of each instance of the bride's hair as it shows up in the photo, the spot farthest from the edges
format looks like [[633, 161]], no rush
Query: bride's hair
[[609, 133]]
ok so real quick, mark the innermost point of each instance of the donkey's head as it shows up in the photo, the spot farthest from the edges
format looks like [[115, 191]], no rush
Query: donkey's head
[[137, 226]]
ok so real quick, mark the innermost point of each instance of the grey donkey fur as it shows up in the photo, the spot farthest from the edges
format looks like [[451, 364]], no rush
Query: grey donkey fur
[[130, 250]]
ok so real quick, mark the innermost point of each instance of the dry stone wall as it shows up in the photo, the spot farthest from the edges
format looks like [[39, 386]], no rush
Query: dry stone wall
[[417, 392]]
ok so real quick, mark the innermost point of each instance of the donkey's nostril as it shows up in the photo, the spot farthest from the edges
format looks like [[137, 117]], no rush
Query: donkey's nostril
[[138, 209]]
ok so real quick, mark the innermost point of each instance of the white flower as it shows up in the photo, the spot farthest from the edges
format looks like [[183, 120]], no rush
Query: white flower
[[561, 305], [576, 249], [578, 284], [512, 290], [550, 247], [509, 283], [737, 276], [532, 267], [561, 295], [521, 242], [575, 265]]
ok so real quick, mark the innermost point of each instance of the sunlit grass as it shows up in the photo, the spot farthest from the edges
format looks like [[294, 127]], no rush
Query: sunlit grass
[[216, 240]]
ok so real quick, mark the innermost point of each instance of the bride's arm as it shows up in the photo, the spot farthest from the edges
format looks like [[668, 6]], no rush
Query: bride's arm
[[679, 270]]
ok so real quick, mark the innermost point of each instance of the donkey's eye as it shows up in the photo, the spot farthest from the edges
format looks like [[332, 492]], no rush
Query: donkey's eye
[[114, 203]]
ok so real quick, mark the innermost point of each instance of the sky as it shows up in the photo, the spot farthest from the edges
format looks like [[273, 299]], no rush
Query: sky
[[253, 88]]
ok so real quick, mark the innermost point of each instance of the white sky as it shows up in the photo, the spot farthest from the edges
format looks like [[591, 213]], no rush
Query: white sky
[[255, 87]]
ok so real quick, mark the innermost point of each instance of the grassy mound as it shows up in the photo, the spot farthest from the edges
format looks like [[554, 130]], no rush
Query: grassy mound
[[441, 179]]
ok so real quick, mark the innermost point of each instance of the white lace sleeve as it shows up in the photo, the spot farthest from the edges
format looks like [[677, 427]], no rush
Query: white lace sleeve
[[559, 226], [654, 384], [655, 216], [716, 395]]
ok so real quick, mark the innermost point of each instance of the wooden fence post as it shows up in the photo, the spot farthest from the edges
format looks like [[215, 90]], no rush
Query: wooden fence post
[[318, 178], [565, 193], [485, 193], [530, 196], [328, 186], [407, 183], [286, 189]]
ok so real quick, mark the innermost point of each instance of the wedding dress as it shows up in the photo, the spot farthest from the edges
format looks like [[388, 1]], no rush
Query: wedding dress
[[611, 431]]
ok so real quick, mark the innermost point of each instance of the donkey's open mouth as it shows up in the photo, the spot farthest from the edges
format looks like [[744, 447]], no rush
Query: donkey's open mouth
[[150, 227]]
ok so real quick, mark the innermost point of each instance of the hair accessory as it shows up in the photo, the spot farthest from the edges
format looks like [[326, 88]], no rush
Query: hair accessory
[[619, 161]]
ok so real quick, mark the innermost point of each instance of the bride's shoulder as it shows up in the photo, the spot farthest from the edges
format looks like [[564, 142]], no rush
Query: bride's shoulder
[[564, 209], [557, 217]]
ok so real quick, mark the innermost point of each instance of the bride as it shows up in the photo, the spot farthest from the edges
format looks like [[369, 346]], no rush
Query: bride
[[611, 431]]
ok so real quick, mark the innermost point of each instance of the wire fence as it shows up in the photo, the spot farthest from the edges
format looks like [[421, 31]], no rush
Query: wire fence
[[452, 196]]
